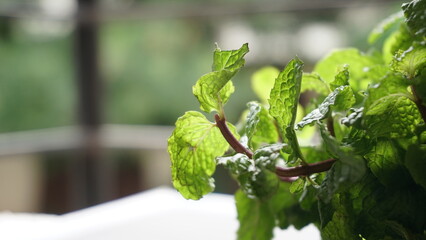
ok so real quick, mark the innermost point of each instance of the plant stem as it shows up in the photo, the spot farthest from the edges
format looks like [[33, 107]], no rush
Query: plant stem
[[330, 126], [230, 138], [418, 102], [285, 174], [305, 170]]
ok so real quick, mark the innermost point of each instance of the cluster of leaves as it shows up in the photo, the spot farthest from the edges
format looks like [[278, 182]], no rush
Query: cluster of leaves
[[369, 114]]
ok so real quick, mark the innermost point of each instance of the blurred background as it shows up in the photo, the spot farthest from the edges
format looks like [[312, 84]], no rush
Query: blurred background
[[90, 89]]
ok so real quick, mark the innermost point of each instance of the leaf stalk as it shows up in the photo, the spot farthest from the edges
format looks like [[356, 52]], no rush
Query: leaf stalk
[[230, 138], [285, 174], [305, 170]]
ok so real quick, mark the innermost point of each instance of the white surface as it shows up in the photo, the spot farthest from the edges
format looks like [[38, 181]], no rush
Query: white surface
[[158, 214]]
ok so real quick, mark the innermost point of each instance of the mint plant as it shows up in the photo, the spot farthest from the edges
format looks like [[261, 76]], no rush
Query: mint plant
[[364, 179]]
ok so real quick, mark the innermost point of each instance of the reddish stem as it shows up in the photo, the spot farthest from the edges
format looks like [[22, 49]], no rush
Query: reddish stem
[[285, 174], [305, 170], [230, 138]]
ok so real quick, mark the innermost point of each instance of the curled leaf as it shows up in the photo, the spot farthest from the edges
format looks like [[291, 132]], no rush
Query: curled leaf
[[214, 89]]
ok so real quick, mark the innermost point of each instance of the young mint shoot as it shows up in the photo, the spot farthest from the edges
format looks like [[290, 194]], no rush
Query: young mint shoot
[[363, 179]]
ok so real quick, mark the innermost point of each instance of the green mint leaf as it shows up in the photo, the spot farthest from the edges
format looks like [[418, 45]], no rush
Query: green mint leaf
[[386, 212], [262, 82], [340, 177], [411, 61], [363, 191], [384, 26], [193, 147], [390, 83], [415, 161], [386, 163], [297, 186], [341, 78], [348, 169], [265, 184], [238, 164], [360, 193], [296, 216], [341, 98], [415, 14], [403, 206], [345, 99], [244, 169], [214, 89], [354, 117], [253, 118], [260, 127], [257, 221], [359, 140], [288, 211], [285, 94], [284, 101], [314, 154], [399, 40], [282, 198], [252, 174], [358, 65], [231, 60], [392, 116], [258, 217], [309, 198], [314, 82], [253, 180], [267, 156], [342, 223]]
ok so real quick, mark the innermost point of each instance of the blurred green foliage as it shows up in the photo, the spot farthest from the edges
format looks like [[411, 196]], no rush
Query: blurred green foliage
[[147, 67], [36, 88]]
